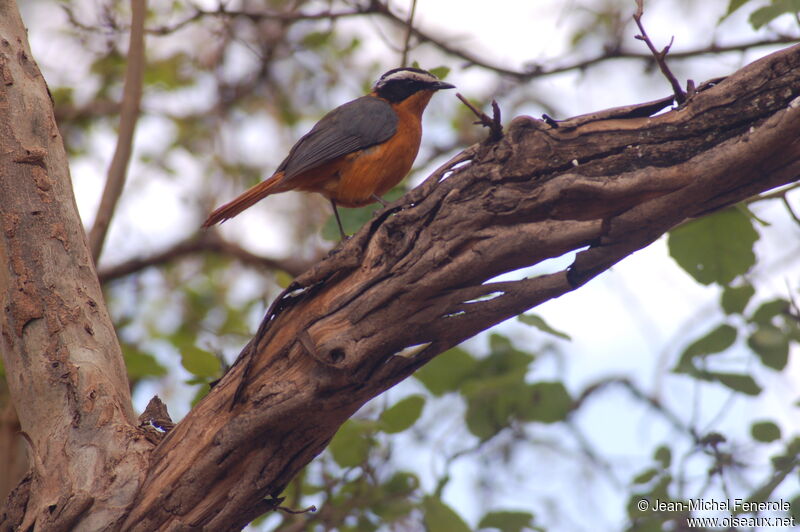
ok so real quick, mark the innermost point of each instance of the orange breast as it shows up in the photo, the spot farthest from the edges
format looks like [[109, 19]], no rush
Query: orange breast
[[352, 180]]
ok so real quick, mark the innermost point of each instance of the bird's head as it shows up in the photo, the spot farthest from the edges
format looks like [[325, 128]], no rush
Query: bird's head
[[398, 84]]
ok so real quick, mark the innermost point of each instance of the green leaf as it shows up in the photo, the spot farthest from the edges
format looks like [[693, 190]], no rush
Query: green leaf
[[715, 341], [507, 521], [235, 321], [663, 455], [169, 73], [645, 476], [771, 345], [548, 402], [767, 14], [733, 6], [110, 66], [534, 320], [446, 372], [441, 518], [503, 359], [716, 248], [62, 95], [765, 431], [141, 365], [200, 362], [402, 414], [767, 311], [492, 402], [390, 510], [741, 383], [201, 392], [440, 72], [283, 279], [350, 446], [794, 504], [401, 483], [316, 39], [734, 300]]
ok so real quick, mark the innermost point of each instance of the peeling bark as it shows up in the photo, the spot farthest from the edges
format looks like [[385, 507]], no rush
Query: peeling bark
[[416, 280]]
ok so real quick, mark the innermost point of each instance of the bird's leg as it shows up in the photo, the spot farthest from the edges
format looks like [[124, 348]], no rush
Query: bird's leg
[[379, 199], [338, 221]]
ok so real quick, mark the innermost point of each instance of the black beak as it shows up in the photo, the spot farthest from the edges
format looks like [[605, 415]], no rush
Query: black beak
[[439, 85]]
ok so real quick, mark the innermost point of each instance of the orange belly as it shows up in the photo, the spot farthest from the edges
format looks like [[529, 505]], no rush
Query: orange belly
[[353, 180]]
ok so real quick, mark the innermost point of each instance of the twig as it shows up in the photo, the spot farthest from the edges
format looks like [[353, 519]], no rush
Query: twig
[[410, 24], [204, 243], [680, 96], [634, 390], [286, 510], [532, 71], [536, 71], [494, 124], [789, 208], [792, 303], [129, 112], [549, 120], [256, 16]]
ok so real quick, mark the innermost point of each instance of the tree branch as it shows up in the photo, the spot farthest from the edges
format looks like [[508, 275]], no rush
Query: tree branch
[[407, 41], [129, 112], [417, 279], [376, 7], [494, 123], [638, 394], [660, 57], [256, 16], [534, 71], [206, 242]]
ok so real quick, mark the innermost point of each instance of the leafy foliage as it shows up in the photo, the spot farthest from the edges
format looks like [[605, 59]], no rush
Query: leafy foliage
[[765, 14], [402, 415], [716, 248], [441, 518], [534, 320]]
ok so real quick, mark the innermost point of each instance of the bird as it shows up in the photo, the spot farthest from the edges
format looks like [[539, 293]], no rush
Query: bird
[[356, 152]]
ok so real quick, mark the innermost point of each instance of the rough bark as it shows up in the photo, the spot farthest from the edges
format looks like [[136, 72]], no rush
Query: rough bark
[[415, 280], [412, 283], [13, 458], [63, 364]]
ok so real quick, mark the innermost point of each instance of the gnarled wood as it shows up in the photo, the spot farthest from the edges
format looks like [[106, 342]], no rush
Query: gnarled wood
[[418, 275]]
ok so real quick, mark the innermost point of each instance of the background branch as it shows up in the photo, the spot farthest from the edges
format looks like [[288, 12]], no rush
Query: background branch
[[376, 7], [409, 26], [129, 113], [207, 242]]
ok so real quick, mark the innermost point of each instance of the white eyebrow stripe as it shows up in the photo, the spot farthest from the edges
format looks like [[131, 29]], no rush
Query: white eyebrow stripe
[[407, 74]]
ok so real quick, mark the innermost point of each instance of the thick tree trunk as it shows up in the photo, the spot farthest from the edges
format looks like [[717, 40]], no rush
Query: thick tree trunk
[[409, 285], [63, 364]]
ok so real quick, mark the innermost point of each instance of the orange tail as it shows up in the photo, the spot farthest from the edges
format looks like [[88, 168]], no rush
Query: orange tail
[[249, 198]]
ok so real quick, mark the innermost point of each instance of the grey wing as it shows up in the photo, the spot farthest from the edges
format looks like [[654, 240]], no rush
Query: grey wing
[[353, 126]]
